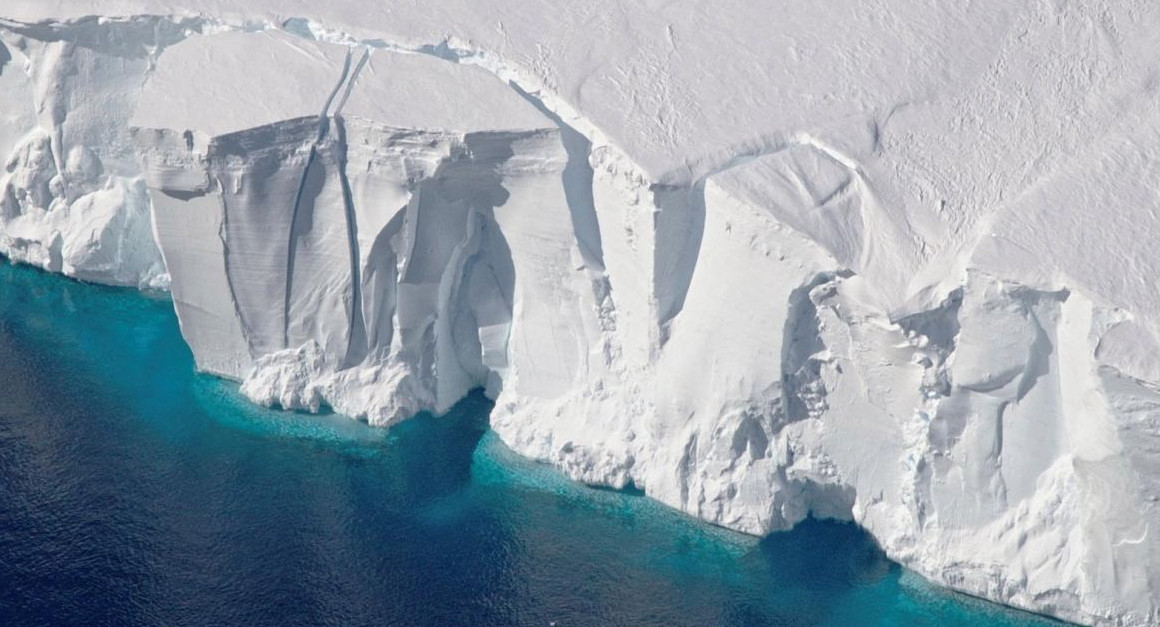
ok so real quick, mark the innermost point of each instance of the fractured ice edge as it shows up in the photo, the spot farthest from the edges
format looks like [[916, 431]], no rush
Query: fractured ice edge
[[751, 337]]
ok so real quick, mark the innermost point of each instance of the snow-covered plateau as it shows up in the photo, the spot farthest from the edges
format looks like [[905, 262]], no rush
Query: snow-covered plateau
[[886, 261]]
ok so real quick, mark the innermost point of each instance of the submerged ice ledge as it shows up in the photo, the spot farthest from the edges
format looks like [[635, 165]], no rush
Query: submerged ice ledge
[[759, 334]]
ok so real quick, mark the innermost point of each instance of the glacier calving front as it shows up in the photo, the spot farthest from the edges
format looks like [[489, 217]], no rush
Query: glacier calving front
[[915, 290]]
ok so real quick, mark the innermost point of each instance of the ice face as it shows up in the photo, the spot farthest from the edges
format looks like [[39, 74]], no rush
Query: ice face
[[891, 269], [71, 199], [363, 247]]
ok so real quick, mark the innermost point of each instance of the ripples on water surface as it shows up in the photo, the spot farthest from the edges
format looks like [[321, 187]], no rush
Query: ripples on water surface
[[133, 492]]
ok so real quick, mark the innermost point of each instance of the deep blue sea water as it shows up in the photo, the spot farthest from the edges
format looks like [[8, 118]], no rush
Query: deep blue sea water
[[135, 492]]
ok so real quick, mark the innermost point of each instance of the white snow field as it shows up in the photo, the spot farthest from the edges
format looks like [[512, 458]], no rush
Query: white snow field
[[888, 261]]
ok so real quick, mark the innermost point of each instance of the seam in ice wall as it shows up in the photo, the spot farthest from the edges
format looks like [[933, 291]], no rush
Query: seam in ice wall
[[290, 246], [356, 341], [223, 229], [324, 117], [323, 127], [5, 57], [366, 55], [357, 346]]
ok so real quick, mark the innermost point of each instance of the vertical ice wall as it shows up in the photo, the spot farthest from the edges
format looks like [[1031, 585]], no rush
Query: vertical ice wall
[[377, 231]]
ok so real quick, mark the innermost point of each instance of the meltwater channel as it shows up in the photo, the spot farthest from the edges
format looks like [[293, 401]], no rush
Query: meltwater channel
[[134, 491]]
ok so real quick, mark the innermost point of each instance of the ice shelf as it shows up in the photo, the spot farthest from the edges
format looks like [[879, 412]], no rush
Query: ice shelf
[[890, 262]]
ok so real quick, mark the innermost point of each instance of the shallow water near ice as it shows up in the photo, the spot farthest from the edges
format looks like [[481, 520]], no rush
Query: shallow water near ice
[[135, 492]]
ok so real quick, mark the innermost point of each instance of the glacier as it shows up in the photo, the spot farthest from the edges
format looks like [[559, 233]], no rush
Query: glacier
[[882, 262]]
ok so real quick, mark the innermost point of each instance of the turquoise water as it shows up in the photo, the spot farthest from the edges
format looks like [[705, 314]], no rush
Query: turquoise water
[[135, 492]]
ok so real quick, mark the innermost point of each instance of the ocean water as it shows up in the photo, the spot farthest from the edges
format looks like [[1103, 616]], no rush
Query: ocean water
[[136, 492]]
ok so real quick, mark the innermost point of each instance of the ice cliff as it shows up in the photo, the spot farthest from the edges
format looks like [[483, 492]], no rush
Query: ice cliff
[[886, 262]]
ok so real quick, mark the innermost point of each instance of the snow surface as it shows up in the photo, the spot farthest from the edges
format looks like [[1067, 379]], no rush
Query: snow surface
[[882, 261]]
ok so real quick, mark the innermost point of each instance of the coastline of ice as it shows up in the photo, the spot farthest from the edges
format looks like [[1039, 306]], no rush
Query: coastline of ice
[[930, 316]]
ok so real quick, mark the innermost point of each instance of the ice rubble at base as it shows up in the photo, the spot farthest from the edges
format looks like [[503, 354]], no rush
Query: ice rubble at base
[[749, 334]]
